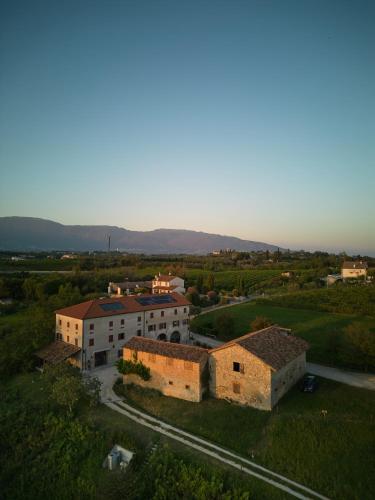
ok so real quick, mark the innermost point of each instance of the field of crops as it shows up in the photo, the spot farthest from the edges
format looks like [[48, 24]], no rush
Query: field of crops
[[226, 280]]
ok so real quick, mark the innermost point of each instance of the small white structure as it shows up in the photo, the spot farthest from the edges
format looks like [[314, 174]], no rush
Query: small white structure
[[333, 278], [166, 283], [128, 287], [118, 457]]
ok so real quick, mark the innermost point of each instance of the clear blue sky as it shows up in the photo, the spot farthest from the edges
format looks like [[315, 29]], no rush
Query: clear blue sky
[[247, 118]]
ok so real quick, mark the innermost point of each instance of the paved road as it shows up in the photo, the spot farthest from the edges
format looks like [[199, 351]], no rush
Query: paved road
[[355, 379], [362, 380], [108, 375]]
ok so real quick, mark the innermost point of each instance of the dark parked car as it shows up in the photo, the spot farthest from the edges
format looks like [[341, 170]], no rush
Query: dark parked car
[[309, 384]]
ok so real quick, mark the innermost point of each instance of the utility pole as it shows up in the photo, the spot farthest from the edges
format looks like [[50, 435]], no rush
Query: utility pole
[[109, 243]]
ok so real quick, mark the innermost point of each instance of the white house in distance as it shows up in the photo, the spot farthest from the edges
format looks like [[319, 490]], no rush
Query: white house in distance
[[166, 283], [354, 269], [93, 333]]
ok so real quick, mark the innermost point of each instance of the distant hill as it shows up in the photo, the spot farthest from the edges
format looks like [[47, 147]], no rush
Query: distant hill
[[28, 233]]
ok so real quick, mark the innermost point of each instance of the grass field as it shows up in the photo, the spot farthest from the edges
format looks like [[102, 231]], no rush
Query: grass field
[[316, 327], [334, 454], [112, 428]]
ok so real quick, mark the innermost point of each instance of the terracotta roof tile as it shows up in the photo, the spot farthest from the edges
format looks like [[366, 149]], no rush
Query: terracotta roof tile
[[274, 345], [129, 304], [167, 349], [165, 277], [57, 351], [355, 265]]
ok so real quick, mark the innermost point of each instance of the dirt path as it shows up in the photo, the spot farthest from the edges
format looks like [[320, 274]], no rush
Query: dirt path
[[108, 376]]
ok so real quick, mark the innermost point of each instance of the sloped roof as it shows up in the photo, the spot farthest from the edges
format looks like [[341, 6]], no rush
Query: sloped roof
[[274, 345], [165, 277], [130, 304], [57, 351], [354, 265], [167, 349]]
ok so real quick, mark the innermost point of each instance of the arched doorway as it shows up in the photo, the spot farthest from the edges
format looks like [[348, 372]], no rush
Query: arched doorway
[[162, 337], [176, 337]]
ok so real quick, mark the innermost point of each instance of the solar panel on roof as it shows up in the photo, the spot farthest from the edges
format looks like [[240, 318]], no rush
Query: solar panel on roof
[[154, 300], [112, 306]]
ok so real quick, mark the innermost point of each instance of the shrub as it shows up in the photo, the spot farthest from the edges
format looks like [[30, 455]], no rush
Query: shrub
[[126, 366], [259, 323]]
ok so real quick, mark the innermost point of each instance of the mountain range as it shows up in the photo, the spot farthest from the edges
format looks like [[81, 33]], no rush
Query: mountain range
[[33, 234]]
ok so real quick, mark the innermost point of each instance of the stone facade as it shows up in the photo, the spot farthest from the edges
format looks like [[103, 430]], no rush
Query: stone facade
[[258, 368], [171, 376], [285, 378], [250, 385]]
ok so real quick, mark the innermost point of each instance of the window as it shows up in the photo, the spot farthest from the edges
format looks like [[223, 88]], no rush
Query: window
[[76, 326], [236, 366], [152, 358], [122, 323], [188, 365], [187, 387], [121, 336], [170, 382], [184, 309], [76, 342], [176, 323], [60, 322], [169, 361], [110, 338], [91, 342], [119, 353], [151, 328], [139, 333], [175, 311], [236, 388], [162, 314], [68, 324], [67, 338], [110, 325], [139, 319], [92, 327], [151, 315], [162, 326]]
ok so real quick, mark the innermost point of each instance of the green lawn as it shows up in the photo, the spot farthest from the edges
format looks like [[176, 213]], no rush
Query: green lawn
[[334, 454], [318, 328]]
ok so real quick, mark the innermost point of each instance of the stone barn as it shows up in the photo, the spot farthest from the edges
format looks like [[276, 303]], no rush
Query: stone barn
[[176, 370], [258, 368]]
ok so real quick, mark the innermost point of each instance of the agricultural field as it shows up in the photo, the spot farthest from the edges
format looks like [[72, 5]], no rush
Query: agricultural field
[[330, 451], [320, 329], [226, 280]]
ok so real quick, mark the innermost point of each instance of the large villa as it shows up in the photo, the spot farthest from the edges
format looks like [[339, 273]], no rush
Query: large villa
[[93, 333]]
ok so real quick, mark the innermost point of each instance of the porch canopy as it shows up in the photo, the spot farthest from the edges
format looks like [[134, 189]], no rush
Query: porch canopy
[[57, 351]]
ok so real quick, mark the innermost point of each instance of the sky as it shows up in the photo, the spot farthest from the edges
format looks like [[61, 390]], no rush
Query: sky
[[249, 118]]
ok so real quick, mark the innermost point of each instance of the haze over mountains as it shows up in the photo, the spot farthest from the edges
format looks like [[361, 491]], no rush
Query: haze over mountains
[[29, 233]]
